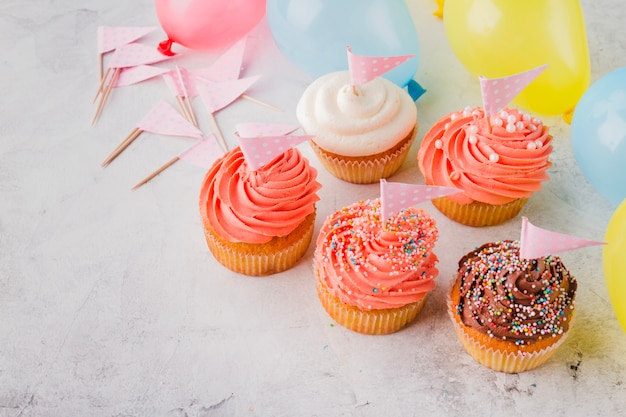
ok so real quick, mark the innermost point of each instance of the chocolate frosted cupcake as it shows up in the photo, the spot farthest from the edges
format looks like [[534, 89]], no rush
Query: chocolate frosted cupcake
[[511, 314]]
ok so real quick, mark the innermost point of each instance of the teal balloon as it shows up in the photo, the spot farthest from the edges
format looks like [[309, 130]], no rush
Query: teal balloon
[[598, 133], [313, 34]]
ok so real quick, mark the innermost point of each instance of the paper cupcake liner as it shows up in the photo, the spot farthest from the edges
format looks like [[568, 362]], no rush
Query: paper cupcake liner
[[479, 214], [372, 322], [512, 362], [365, 171], [248, 262]]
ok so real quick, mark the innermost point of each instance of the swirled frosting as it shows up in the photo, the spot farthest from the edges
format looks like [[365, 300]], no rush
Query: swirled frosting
[[374, 119], [514, 299], [373, 267], [254, 206], [493, 162]]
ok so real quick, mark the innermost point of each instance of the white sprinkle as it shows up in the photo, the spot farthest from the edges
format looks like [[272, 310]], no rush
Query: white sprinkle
[[494, 157]]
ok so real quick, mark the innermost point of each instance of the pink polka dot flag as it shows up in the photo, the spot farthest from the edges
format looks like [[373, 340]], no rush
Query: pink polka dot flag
[[260, 146], [396, 196], [172, 80], [364, 69], [203, 153], [227, 66], [134, 75], [110, 38], [135, 54], [497, 93], [217, 95], [536, 242], [163, 119]]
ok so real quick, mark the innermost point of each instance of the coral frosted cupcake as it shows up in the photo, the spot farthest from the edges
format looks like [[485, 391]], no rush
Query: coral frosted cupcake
[[363, 133], [259, 222], [511, 314], [498, 163], [373, 279]]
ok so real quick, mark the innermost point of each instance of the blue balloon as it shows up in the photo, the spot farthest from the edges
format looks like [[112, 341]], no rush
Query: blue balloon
[[313, 34], [599, 135]]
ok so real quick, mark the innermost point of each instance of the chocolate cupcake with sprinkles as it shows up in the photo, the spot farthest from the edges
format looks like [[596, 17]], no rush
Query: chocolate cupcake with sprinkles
[[512, 306]]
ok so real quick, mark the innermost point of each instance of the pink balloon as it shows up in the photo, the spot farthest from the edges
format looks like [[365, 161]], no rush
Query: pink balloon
[[205, 24]]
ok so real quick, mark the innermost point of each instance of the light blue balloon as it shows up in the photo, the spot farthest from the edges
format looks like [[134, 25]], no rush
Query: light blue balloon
[[599, 135], [313, 34]]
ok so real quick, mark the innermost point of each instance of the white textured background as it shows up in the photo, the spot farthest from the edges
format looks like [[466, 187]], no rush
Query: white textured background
[[111, 305]]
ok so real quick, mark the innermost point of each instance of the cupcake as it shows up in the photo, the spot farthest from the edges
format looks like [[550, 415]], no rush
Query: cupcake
[[374, 278], [259, 222], [511, 314], [498, 163], [362, 133]]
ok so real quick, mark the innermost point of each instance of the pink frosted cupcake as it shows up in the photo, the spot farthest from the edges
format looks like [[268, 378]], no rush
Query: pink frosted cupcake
[[374, 278], [259, 222], [498, 164]]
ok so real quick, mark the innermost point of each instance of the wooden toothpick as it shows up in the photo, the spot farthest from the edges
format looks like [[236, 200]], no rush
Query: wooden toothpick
[[157, 172], [120, 148], [186, 100], [220, 136], [105, 94], [262, 103], [102, 80]]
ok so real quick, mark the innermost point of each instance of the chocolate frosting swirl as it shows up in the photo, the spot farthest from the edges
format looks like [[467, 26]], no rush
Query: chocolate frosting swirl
[[521, 300]]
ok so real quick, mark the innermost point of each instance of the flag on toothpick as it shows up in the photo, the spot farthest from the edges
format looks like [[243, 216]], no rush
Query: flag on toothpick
[[363, 69], [396, 196], [536, 242], [110, 38], [227, 66], [497, 93], [260, 147], [217, 95], [134, 75]]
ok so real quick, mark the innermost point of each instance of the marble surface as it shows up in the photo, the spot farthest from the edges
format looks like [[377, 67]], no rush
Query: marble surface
[[111, 304]]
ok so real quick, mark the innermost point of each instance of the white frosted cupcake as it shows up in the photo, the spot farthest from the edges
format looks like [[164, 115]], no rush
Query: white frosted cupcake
[[361, 133]]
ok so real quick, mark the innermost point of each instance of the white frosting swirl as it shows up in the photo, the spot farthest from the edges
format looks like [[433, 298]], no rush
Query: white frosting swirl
[[369, 122]]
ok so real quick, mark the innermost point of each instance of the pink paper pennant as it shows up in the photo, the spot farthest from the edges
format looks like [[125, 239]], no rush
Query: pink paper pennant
[[260, 150], [364, 69], [252, 129], [217, 95], [110, 38], [227, 67], [134, 75], [203, 153], [396, 196], [498, 92], [176, 87], [536, 242], [135, 54], [163, 119]]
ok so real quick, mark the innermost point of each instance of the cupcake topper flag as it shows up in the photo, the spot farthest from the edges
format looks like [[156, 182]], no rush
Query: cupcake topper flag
[[536, 242], [364, 69], [134, 75], [110, 38], [202, 153], [395, 196], [260, 143], [126, 56], [498, 92], [162, 120]]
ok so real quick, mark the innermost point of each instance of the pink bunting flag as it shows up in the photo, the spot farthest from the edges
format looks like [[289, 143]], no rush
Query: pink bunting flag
[[497, 93], [252, 129], [202, 153], [110, 38], [188, 85], [135, 54], [163, 119], [217, 95], [364, 69], [395, 196], [536, 242], [260, 148], [227, 67], [134, 75]]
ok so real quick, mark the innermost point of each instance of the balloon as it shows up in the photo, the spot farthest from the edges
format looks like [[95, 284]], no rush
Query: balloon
[[614, 262], [206, 24], [496, 38], [313, 34], [598, 134]]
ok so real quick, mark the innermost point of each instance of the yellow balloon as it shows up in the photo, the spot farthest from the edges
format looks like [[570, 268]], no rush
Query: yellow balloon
[[614, 262], [496, 38]]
